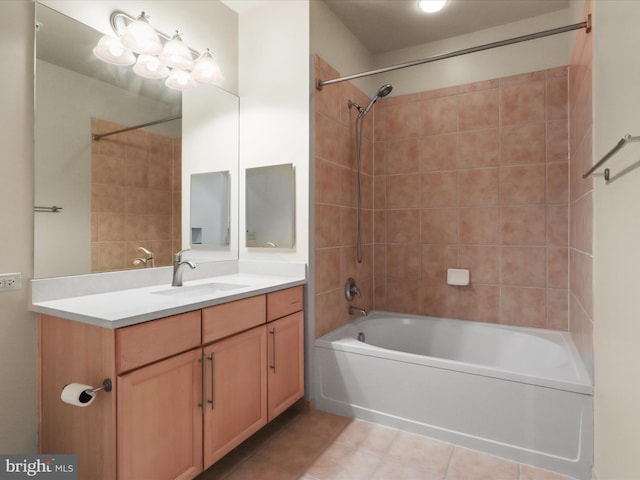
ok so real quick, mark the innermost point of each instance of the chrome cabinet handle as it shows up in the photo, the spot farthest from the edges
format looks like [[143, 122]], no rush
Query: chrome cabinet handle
[[213, 382], [273, 340], [204, 381]]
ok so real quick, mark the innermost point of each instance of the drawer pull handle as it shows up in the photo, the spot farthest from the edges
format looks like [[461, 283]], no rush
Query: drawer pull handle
[[204, 381], [213, 382], [273, 340]]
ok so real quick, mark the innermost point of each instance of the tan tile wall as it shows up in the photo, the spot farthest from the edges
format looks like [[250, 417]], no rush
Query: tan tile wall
[[581, 196], [473, 177], [336, 200], [135, 197]]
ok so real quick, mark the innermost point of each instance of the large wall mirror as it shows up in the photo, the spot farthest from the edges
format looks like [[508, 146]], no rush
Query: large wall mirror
[[105, 200]]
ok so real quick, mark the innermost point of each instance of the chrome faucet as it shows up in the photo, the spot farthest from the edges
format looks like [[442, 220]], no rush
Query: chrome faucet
[[178, 264], [148, 262], [354, 310]]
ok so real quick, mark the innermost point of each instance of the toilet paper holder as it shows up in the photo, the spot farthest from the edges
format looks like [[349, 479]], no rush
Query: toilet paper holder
[[107, 386], [81, 395]]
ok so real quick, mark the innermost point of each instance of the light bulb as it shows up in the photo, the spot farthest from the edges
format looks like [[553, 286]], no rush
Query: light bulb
[[149, 66], [431, 6], [180, 80]]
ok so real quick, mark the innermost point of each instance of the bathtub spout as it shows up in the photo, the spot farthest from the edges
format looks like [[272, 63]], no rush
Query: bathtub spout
[[354, 310]]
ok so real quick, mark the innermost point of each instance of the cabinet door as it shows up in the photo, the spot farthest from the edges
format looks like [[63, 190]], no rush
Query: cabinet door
[[160, 420], [286, 363], [235, 391]]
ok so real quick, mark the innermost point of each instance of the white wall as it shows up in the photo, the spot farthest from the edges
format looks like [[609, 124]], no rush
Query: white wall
[[210, 144], [617, 242], [540, 54], [337, 46], [274, 108], [333, 42], [18, 415]]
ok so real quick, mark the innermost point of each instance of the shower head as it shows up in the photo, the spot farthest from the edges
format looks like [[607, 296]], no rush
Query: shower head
[[383, 91]]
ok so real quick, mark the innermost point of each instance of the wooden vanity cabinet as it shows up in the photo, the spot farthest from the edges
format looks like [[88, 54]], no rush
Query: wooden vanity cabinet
[[159, 428], [235, 392], [235, 374], [187, 389], [285, 346]]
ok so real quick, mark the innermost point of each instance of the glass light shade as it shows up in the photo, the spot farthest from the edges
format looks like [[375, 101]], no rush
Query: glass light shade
[[206, 69], [176, 54], [180, 80], [111, 50], [140, 37], [149, 66], [431, 6]]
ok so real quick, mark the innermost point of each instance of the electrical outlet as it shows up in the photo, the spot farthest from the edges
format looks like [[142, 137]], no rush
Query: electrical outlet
[[10, 281]]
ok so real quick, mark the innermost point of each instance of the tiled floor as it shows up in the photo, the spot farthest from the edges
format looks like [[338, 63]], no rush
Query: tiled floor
[[321, 446]]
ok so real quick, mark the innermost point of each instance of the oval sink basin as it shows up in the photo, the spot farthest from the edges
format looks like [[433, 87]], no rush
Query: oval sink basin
[[198, 290]]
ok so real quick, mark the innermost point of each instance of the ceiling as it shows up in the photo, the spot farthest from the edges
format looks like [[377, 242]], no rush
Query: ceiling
[[387, 25]]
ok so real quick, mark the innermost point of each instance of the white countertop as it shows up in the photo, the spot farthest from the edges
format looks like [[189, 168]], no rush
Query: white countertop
[[121, 308]]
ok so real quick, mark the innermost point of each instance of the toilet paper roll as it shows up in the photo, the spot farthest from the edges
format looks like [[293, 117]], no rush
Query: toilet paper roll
[[78, 394]]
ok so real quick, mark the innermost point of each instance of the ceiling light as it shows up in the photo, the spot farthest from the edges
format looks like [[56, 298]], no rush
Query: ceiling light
[[158, 55], [111, 50], [180, 80], [206, 69], [431, 6], [176, 54], [141, 37]]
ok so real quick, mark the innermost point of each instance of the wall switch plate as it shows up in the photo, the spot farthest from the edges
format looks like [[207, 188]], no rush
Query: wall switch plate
[[10, 281]]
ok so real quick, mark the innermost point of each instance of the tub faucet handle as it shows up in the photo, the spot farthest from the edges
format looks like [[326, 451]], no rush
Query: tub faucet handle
[[351, 290]]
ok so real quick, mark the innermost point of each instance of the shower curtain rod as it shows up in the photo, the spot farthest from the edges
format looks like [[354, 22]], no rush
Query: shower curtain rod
[[149, 124], [457, 53]]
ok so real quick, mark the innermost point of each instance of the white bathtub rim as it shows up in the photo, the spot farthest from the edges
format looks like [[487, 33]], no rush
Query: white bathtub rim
[[339, 340]]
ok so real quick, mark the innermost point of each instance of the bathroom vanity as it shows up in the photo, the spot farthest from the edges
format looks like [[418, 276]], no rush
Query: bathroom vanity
[[187, 387]]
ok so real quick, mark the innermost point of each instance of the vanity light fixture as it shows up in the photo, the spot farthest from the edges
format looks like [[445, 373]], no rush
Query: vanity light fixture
[[155, 55], [111, 50], [206, 69], [431, 6], [176, 54], [140, 37], [148, 66]]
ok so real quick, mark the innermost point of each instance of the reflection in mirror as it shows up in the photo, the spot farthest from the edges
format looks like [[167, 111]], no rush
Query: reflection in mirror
[[121, 194], [210, 209], [270, 206]]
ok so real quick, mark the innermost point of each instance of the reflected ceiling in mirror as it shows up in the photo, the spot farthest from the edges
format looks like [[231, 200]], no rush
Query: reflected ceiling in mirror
[[122, 192]]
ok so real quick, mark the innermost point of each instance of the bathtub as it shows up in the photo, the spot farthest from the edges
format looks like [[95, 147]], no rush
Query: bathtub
[[520, 393]]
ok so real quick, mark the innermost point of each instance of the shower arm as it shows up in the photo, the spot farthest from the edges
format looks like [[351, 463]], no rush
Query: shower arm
[[487, 46]]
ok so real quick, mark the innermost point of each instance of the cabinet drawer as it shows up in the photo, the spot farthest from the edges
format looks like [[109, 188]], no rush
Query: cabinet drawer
[[144, 343], [229, 318], [283, 303]]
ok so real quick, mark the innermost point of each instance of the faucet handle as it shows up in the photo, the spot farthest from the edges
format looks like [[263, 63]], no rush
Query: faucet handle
[[351, 290], [177, 257]]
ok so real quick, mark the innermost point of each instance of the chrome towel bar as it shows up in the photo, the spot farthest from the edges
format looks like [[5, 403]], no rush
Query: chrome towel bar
[[623, 141], [53, 209]]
